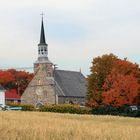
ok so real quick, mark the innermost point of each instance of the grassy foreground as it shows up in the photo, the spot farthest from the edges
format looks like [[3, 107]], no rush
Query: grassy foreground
[[53, 126]]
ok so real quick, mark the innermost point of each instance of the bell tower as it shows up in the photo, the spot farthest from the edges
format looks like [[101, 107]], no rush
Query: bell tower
[[43, 62], [41, 89]]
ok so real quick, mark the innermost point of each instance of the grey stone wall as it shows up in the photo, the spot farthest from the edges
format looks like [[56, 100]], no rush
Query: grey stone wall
[[44, 66], [39, 90], [73, 100]]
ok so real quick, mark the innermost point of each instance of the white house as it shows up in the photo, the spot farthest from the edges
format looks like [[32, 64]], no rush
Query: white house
[[2, 96]]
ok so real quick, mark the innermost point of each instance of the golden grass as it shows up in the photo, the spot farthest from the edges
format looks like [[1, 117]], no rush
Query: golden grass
[[52, 126]]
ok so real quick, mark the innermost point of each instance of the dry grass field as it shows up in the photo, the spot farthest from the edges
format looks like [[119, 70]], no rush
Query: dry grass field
[[52, 126]]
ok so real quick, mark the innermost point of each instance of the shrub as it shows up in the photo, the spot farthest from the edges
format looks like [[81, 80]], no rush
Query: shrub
[[24, 107], [66, 108], [128, 111], [105, 110], [76, 109], [27, 107], [120, 111]]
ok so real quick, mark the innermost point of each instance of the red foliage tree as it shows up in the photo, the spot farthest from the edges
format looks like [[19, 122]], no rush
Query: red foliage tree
[[120, 90], [6, 77], [15, 79], [101, 67], [113, 82], [121, 86]]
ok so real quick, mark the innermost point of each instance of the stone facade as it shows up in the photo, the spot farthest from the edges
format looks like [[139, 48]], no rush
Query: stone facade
[[41, 89], [71, 100], [47, 67]]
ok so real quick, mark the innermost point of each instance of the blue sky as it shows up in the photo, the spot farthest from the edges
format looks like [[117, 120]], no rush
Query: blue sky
[[76, 31]]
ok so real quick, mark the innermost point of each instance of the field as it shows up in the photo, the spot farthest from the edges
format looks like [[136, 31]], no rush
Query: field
[[53, 126]]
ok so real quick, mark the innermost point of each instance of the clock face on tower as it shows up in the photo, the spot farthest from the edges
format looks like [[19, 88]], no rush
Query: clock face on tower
[[39, 91]]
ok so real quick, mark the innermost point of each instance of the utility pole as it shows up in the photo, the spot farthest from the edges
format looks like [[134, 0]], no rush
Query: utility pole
[[18, 84], [54, 81]]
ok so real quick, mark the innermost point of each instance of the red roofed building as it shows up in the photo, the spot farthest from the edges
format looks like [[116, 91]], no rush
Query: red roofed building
[[12, 96]]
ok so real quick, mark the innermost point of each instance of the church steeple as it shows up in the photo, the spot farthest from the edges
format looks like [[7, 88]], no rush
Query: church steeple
[[43, 61], [42, 35], [42, 46]]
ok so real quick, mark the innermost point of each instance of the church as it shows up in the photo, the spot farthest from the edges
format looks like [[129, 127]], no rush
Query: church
[[50, 85]]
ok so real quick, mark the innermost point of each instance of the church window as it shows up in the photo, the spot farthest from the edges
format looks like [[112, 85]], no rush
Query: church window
[[39, 82], [49, 74], [71, 102], [67, 101], [39, 51], [42, 52], [38, 105]]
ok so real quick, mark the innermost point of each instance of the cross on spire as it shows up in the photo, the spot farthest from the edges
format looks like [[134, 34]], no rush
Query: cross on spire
[[42, 14]]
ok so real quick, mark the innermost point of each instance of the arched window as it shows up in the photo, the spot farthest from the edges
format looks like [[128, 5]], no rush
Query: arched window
[[39, 51], [39, 82], [49, 74], [71, 102], [38, 105]]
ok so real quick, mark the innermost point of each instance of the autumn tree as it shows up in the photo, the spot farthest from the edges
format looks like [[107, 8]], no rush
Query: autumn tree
[[113, 82], [123, 90], [122, 85], [6, 78], [101, 67], [12, 78], [22, 79]]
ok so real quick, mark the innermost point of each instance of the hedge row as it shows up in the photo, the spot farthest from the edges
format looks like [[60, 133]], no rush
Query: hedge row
[[24, 107], [119, 111], [101, 110], [75, 109], [65, 108]]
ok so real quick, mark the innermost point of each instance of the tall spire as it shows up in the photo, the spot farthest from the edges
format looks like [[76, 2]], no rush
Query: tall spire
[[42, 35]]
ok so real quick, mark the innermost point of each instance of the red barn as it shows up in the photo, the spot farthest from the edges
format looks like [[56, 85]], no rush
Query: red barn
[[12, 96]]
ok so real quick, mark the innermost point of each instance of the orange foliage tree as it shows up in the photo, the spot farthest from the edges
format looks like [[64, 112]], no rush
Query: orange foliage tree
[[120, 90], [11, 78], [101, 67], [6, 77], [121, 84]]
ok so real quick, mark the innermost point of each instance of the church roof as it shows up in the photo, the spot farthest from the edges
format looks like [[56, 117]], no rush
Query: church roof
[[70, 83]]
